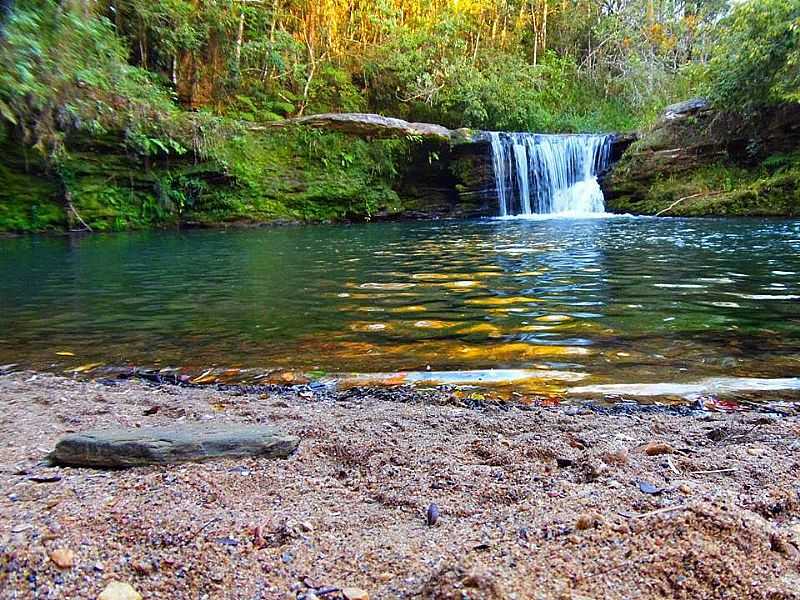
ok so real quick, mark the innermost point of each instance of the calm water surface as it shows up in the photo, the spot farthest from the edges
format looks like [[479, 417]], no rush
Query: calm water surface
[[620, 300]]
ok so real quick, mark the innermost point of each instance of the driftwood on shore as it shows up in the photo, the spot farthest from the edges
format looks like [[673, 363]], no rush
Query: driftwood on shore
[[160, 445]]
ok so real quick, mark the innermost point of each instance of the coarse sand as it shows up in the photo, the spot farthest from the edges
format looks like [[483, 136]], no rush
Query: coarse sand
[[533, 502]]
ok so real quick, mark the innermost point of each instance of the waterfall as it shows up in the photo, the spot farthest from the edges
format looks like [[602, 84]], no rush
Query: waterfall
[[549, 174]]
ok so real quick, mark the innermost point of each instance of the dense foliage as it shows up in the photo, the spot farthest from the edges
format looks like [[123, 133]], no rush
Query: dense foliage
[[757, 61], [167, 91], [496, 64]]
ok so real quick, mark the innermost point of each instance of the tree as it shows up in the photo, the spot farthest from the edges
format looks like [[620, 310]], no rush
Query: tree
[[757, 59]]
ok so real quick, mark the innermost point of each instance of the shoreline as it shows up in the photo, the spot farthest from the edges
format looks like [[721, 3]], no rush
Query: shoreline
[[399, 218], [540, 502]]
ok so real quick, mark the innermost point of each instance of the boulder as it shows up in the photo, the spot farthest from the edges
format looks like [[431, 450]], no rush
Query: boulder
[[114, 448], [687, 107]]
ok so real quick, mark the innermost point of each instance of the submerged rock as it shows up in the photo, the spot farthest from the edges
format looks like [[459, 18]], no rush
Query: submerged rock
[[194, 442]]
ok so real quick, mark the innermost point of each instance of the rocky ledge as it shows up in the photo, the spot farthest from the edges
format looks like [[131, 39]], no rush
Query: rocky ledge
[[700, 161], [379, 127], [450, 174]]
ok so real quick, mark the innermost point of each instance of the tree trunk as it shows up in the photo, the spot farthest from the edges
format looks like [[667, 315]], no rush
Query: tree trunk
[[240, 41]]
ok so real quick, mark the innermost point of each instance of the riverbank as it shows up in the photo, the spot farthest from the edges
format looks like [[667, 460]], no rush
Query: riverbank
[[696, 161], [534, 502]]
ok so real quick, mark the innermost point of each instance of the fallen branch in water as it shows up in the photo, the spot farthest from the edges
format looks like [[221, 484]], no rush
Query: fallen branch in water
[[71, 207], [679, 200]]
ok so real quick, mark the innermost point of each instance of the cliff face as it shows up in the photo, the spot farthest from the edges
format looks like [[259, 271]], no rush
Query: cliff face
[[318, 168], [448, 173], [698, 161], [446, 181], [461, 182]]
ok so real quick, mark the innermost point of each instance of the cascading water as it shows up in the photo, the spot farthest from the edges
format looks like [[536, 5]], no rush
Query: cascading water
[[549, 174]]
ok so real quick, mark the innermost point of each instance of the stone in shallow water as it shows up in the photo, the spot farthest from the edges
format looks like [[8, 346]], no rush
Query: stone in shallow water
[[159, 445]]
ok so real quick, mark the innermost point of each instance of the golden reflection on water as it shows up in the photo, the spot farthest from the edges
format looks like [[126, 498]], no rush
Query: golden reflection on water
[[502, 300], [554, 318], [461, 284], [483, 328], [434, 324], [439, 276], [407, 309], [368, 327], [462, 296]]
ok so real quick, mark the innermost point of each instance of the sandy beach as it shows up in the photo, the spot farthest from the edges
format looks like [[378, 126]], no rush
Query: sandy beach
[[533, 502]]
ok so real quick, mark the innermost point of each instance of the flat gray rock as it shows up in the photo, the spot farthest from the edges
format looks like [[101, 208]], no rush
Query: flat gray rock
[[687, 107], [378, 126], [161, 445]]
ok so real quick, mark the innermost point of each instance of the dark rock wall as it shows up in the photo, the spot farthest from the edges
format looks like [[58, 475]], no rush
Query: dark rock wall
[[444, 181]]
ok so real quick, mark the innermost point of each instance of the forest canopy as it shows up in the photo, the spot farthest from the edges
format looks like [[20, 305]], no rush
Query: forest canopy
[[546, 65], [156, 111]]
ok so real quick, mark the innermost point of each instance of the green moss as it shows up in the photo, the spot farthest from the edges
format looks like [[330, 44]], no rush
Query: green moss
[[28, 197], [771, 188], [298, 174], [310, 175]]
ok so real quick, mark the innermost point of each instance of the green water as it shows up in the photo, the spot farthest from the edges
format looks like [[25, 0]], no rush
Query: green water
[[619, 300]]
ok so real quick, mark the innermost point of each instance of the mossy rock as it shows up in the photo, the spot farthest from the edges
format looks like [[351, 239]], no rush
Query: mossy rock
[[711, 163]]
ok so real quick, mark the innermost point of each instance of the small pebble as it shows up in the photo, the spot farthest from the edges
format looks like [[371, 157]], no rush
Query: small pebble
[[656, 448], [684, 489], [306, 526], [352, 593], [794, 531], [587, 521], [63, 558], [432, 515], [143, 567], [117, 590]]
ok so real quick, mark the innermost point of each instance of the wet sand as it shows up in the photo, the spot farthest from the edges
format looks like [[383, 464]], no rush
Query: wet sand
[[534, 502]]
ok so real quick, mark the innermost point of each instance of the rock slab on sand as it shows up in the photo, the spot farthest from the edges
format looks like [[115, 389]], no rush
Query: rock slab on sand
[[160, 445]]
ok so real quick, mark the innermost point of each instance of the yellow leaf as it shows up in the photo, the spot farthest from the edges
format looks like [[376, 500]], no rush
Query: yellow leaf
[[65, 353]]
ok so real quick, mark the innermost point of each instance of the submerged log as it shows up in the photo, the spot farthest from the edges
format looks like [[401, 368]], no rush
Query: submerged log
[[161, 445]]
